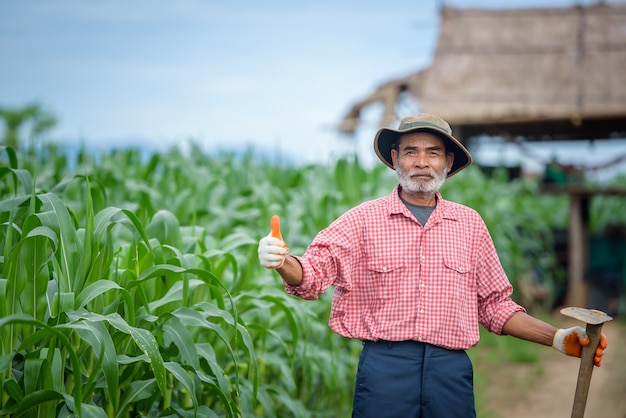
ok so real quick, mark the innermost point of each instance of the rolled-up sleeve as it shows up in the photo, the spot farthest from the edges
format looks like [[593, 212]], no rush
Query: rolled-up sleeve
[[502, 312], [495, 306], [328, 261], [311, 287]]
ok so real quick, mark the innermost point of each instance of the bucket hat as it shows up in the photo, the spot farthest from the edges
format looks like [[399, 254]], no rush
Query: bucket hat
[[385, 139]]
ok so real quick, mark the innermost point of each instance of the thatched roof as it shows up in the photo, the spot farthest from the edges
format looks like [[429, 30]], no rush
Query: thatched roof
[[555, 72]]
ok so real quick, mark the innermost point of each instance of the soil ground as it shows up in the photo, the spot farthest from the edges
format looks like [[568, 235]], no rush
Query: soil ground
[[545, 389]]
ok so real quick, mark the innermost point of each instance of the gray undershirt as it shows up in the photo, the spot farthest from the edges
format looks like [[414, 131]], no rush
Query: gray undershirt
[[421, 213]]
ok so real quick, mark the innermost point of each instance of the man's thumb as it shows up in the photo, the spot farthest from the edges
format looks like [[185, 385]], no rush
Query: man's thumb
[[275, 226]]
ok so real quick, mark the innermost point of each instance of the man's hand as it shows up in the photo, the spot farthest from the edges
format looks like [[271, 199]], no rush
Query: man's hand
[[272, 249], [571, 341]]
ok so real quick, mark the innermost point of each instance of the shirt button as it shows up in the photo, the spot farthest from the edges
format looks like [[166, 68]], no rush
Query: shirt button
[[421, 311], [385, 268]]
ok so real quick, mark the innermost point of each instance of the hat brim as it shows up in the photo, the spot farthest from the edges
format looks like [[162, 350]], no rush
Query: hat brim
[[385, 138]]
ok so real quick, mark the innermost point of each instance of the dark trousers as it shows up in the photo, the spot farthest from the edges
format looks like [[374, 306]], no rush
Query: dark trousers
[[409, 379]]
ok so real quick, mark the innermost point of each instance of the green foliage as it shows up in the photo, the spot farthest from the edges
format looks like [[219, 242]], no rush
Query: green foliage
[[130, 286], [16, 120]]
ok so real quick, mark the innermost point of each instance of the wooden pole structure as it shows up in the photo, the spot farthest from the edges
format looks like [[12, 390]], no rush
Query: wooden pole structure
[[578, 234], [577, 250]]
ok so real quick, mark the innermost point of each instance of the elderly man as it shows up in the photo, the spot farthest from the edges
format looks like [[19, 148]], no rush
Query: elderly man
[[413, 276]]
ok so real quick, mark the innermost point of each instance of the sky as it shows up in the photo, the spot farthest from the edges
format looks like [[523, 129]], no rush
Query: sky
[[275, 76]]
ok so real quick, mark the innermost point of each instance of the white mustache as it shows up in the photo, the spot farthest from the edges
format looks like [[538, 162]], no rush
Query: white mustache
[[422, 173]]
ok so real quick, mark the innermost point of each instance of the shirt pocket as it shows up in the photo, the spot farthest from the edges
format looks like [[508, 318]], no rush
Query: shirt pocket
[[385, 277], [457, 274]]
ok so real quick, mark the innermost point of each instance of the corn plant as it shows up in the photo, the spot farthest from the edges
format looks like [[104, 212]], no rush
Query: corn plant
[[130, 285], [105, 315]]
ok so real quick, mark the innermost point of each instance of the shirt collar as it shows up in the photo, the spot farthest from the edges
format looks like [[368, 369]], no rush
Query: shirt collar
[[443, 210]]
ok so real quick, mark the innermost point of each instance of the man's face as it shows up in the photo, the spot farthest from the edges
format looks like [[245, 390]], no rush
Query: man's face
[[421, 162]]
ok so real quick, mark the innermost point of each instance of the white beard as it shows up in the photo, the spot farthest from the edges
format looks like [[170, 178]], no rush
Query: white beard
[[414, 185]]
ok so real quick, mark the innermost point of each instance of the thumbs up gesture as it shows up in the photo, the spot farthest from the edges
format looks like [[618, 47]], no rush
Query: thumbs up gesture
[[272, 249]]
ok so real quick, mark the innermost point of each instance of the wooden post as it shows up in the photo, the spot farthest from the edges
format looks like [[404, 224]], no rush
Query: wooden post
[[578, 232], [577, 250]]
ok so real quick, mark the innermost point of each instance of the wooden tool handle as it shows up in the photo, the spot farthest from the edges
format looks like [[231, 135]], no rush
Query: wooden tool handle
[[585, 370]]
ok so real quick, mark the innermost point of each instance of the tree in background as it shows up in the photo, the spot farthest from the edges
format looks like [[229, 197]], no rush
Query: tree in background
[[33, 116]]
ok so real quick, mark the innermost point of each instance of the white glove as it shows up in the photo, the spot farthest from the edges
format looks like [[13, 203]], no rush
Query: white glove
[[571, 341], [272, 252]]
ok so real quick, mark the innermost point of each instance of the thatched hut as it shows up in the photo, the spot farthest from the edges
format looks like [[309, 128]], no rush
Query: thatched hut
[[539, 73]]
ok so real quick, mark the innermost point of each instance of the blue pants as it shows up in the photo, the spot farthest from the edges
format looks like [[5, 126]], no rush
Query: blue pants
[[410, 379]]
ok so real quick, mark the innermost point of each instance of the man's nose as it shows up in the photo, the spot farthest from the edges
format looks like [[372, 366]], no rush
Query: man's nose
[[421, 160]]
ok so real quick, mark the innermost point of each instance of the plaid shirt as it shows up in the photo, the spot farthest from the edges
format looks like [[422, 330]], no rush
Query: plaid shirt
[[396, 280]]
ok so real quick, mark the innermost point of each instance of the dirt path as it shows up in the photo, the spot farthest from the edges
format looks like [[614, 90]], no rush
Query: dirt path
[[546, 389]]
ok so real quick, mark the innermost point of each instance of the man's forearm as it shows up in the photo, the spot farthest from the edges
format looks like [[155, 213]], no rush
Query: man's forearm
[[526, 327], [291, 271]]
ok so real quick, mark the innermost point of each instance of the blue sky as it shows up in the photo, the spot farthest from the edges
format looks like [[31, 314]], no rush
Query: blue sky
[[277, 75]]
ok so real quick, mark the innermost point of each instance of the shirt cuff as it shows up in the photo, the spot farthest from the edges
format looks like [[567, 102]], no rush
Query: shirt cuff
[[303, 290], [504, 313]]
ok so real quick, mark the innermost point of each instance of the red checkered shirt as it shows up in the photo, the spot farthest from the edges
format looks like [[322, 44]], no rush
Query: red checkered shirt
[[396, 280]]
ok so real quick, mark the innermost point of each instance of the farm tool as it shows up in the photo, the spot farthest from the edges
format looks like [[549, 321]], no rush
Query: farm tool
[[594, 320]]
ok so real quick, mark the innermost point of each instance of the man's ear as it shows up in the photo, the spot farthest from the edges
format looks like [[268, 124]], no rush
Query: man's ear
[[449, 161], [394, 157]]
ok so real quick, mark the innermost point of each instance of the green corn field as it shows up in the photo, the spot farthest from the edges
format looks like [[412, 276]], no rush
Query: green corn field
[[130, 286]]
